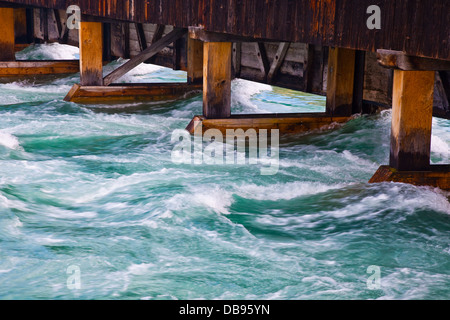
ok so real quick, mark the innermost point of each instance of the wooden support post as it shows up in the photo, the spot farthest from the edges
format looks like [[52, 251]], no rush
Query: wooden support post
[[195, 61], [277, 60], [217, 80], [358, 86], [412, 116], [20, 25], [107, 55], [91, 53], [158, 34], [308, 68], [141, 36], [340, 80], [177, 53], [43, 17], [237, 51], [412, 112], [30, 25], [261, 55], [7, 42]]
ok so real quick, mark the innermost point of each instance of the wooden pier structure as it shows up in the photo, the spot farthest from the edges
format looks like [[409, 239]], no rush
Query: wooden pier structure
[[360, 58]]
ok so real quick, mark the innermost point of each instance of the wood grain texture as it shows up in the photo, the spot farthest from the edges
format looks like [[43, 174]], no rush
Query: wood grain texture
[[217, 79], [412, 113], [131, 92], [14, 68], [7, 51], [91, 53], [194, 61], [340, 81], [437, 176], [416, 27], [288, 124]]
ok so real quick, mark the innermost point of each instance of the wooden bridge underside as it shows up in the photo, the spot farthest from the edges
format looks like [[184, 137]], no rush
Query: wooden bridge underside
[[316, 46], [281, 42]]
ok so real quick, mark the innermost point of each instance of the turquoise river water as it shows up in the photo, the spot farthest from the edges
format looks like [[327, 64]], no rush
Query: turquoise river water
[[92, 188]]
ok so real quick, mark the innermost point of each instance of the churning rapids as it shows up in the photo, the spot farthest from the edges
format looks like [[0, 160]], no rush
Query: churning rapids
[[93, 189]]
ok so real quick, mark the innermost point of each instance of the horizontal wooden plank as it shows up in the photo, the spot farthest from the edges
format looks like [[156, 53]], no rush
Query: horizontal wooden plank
[[286, 123], [131, 92], [401, 61], [438, 176], [13, 68]]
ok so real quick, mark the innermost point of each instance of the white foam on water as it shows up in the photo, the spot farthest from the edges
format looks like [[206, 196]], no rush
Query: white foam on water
[[46, 240], [139, 269], [409, 283], [8, 140], [284, 191], [242, 92], [49, 51], [137, 74], [212, 198], [60, 213], [440, 147], [363, 164]]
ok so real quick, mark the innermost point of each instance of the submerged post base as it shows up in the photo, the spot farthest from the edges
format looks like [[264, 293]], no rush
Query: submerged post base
[[15, 68], [131, 92], [287, 123], [438, 176]]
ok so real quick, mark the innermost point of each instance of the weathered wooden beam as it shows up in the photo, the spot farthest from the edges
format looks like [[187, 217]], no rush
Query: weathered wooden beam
[[177, 54], [20, 25], [91, 53], [14, 68], [141, 36], [287, 123], [217, 79], [126, 40], [340, 80], [237, 52], [195, 61], [131, 92], [43, 16], [30, 25], [437, 176], [7, 52], [308, 69], [144, 55], [263, 62], [200, 33], [412, 112], [277, 60], [159, 32], [107, 42], [401, 61], [358, 85], [58, 24]]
